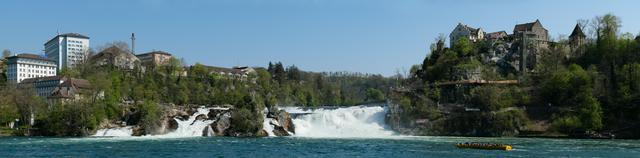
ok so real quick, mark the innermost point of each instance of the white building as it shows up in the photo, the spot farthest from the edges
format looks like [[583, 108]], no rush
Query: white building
[[24, 66], [67, 49]]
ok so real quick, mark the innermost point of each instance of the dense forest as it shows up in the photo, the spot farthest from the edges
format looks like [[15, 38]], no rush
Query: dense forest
[[592, 91], [149, 91]]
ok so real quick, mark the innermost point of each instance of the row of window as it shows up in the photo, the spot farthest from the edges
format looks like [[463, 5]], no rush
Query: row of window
[[33, 75], [74, 41], [36, 66], [74, 45], [33, 71], [78, 49], [33, 61]]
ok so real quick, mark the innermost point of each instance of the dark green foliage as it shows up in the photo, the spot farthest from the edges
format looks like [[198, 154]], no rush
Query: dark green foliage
[[76, 119], [150, 116], [571, 91], [374, 95]]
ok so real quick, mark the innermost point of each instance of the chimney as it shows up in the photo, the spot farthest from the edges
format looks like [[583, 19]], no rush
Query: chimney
[[133, 43]]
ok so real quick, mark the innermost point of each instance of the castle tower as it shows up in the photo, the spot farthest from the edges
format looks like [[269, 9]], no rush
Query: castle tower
[[576, 40]]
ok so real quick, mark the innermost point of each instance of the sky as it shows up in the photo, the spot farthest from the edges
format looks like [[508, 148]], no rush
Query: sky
[[368, 36]]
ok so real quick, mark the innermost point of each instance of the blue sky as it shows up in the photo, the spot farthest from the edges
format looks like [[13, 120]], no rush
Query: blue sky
[[371, 36]]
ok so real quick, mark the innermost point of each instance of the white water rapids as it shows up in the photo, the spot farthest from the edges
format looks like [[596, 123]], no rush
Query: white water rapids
[[115, 132], [191, 127], [347, 122]]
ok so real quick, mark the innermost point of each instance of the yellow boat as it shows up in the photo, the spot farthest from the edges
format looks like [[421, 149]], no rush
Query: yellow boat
[[485, 146]]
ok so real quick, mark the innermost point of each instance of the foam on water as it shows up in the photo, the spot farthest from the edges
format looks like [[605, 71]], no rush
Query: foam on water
[[347, 122], [115, 132], [191, 127], [267, 123]]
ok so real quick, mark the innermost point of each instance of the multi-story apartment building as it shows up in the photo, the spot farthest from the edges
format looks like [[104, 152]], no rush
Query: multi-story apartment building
[[25, 66], [67, 49]]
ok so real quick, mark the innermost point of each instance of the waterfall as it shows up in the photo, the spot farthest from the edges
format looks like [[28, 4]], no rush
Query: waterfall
[[115, 132], [267, 123], [348, 122], [191, 127], [360, 121]]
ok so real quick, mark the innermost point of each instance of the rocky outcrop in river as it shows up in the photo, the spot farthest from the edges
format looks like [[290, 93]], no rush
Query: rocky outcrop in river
[[281, 122]]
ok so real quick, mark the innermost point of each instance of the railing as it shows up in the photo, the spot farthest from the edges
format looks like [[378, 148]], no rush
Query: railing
[[476, 82]]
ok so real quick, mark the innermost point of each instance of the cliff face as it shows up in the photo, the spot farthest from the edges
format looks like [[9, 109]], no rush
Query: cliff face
[[473, 113]]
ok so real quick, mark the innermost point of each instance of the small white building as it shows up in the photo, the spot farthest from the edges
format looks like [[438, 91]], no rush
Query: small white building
[[67, 49], [25, 66]]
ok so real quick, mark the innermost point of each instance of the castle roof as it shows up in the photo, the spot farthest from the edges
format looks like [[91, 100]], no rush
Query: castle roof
[[495, 35], [471, 29], [577, 31], [526, 26]]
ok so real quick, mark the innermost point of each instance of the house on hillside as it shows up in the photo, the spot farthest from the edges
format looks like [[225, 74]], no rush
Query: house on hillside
[[43, 86], [70, 90], [154, 58], [116, 57], [235, 72], [464, 31]]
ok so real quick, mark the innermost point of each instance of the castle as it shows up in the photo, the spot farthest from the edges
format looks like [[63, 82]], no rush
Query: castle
[[522, 49]]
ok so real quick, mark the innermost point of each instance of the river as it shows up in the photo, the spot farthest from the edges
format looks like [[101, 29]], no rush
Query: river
[[399, 146], [324, 132]]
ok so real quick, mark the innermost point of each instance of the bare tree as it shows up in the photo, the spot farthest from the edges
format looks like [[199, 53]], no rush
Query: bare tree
[[6, 53], [124, 46], [584, 26], [606, 26]]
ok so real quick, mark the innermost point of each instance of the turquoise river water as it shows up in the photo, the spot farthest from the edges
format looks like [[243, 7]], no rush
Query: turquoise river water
[[393, 146]]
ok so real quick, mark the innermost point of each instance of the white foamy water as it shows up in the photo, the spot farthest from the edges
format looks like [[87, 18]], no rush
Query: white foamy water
[[191, 127], [115, 132], [266, 124], [349, 122]]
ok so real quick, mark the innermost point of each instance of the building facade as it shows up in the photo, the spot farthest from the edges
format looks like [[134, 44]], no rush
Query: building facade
[[67, 49], [533, 31], [25, 66], [116, 57], [530, 40], [464, 31], [43, 86], [154, 58], [70, 90]]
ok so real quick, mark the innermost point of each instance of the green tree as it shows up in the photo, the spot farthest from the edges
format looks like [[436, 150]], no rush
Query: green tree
[[150, 116], [374, 95], [464, 47]]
